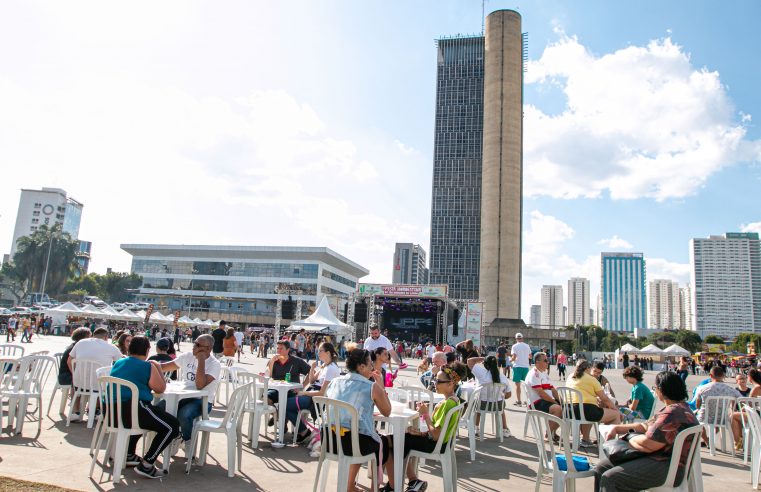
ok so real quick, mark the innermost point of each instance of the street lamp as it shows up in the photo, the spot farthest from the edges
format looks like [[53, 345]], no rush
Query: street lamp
[[47, 265]]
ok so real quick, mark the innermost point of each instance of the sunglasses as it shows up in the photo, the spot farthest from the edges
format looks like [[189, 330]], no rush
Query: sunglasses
[[441, 381]]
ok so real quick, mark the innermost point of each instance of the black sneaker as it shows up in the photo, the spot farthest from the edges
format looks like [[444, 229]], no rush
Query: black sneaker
[[132, 460], [386, 488], [150, 471], [301, 439], [416, 486], [271, 422]]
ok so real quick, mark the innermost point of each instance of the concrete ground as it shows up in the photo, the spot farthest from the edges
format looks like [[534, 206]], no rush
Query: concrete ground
[[59, 455]]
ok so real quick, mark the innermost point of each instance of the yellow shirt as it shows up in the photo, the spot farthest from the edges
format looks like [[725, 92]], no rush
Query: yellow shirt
[[588, 386]]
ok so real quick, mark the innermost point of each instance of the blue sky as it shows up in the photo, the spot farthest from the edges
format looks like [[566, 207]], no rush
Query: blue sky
[[311, 123]]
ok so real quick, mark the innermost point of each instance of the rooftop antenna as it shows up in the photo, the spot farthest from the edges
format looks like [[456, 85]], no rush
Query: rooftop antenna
[[483, 16]]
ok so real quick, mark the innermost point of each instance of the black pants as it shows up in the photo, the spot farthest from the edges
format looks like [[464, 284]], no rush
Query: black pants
[[640, 474], [420, 443], [154, 419]]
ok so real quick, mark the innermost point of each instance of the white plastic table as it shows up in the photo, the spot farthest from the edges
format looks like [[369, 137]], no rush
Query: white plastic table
[[467, 388], [282, 392], [180, 390], [400, 418]]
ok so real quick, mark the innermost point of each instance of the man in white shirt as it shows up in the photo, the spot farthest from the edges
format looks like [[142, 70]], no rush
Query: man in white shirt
[[202, 368], [541, 393], [376, 340], [239, 340], [520, 355]]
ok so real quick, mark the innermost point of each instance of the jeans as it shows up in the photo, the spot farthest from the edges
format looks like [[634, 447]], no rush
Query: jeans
[[187, 411], [639, 474], [292, 411]]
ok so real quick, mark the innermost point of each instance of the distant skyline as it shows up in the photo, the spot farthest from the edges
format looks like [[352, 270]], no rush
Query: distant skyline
[[311, 123]]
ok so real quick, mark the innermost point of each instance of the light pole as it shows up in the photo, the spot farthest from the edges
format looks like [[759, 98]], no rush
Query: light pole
[[47, 264]]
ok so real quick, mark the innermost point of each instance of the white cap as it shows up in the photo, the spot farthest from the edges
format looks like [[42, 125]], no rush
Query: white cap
[[519, 335]]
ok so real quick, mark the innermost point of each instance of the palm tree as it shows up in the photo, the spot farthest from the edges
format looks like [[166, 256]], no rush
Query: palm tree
[[31, 258]]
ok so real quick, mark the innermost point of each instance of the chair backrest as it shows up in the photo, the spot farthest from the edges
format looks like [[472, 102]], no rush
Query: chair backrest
[[397, 394], [255, 385], [453, 413], [492, 396], [567, 396], [753, 404], [416, 394], [10, 350], [693, 434], [470, 406], [329, 412], [33, 373], [58, 356], [235, 406], [754, 422], [525, 391], [718, 409], [111, 388], [84, 376], [546, 448], [103, 371], [8, 371]]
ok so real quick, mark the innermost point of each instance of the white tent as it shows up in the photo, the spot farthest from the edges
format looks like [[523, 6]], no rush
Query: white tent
[[208, 323], [159, 318], [676, 350], [651, 349], [128, 315], [184, 320], [91, 311], [197, 321], [111, 313], [629, 348], [66, 308], [321, 319]]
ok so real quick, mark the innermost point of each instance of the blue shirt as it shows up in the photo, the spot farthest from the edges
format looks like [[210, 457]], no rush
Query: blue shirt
[[135, 371]]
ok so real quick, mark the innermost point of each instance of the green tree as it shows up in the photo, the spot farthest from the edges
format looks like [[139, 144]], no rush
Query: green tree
[[111, 287], [689, 340], [89, 284], [12, 282], [662, 339], [713, 339], [743, 339], [49, 247]]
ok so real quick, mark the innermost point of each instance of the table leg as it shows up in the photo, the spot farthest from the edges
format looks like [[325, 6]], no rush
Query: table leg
[[399, 429], [171, 408], [282, 404]]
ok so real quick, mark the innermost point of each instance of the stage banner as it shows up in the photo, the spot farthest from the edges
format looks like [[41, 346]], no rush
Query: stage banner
[[473, 318], [403, 290]]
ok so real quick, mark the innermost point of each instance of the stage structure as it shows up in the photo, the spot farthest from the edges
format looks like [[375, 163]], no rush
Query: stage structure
[[288, 290], [416, 312]]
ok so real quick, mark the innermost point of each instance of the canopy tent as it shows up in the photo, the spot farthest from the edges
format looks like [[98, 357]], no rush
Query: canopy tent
[[66, 308], [676, 350], [128, 315], [111, 313], [184, 320], [651, 349], [90, 311], [159, 318], [208, 323], [629, 348], [321, 319], [197, 321]]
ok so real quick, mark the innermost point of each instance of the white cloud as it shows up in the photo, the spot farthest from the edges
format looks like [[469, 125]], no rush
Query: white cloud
[[752, 227], [639, 122], [615, 242], [659, 268]]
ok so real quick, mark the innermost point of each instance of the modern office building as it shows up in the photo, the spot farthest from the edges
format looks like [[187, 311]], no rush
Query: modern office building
[[685, 308], [726, 277], [664, 307], [409, 265], [553, 316], [536, 315], [83, 256], [475, 229], [238, 283], [622, 291], [46, 207], [579, 311]]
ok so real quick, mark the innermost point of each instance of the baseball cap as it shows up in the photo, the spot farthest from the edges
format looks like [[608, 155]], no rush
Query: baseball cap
[[163, 343], [519, 335]]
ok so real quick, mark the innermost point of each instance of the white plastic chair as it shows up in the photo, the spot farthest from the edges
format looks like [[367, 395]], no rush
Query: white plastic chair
[[547, 451], [567, 397], [331, 447], [493, 400], [256, 405], [113, 425], [9, 369], [230, 426], [468, 422], [63, 388], [227, 375], [29, 384], [11, 350], [85, 381], [692, 479], [719, 409], [755, 404], [443, 452], [397, 394], [754, 421], [529, 406], [99, 428], [416, 394]]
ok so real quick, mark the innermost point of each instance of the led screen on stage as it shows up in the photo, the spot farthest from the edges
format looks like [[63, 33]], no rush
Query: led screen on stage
[[409, 325]]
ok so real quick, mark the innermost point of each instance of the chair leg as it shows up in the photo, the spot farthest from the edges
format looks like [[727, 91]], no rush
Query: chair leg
[[255, 425], [64, 399], [52, 395], [193, 442], [120, 456], [92, 403], [231, 452], [446, 473], [472, 439], [317, 475], [343, 478], [94, 454], [325, 473]]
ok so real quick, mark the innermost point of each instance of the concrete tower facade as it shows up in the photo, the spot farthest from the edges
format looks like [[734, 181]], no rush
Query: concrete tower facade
[[502, 167], [553, 314], [579, 311]]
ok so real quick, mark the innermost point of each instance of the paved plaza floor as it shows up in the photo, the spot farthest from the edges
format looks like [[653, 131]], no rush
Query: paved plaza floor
[[59, 455]]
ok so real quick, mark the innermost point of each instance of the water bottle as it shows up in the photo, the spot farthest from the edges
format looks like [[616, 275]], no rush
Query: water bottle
[[287, 377]]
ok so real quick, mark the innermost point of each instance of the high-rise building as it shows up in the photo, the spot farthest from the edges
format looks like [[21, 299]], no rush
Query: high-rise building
[[664, 307], [623, 302], [536, 315], [579, 312], [83, 256], [46, 207], [726, 277], [685, 308], [409, 265], [476, 223], [553, 316]]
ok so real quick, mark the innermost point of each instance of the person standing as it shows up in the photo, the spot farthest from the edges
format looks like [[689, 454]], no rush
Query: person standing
[[562, 360], [238, 334], [625, 360], [229, 343], [520, 354], [376, 340], [12, 323], [502, 357], [218, 336]]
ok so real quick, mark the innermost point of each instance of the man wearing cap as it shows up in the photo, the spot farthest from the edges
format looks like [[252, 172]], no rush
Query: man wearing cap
[[520, 354]]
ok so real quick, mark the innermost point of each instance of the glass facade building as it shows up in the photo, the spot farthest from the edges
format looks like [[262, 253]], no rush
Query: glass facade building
[[458, 141], [622, 291], [238, 283]]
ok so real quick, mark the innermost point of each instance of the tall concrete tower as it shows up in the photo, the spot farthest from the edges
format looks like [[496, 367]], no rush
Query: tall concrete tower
[[502, 167]]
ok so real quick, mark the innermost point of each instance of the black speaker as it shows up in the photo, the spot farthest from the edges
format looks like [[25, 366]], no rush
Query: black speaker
[[289, 309], [455, 322], [346, 312], [360, 312]]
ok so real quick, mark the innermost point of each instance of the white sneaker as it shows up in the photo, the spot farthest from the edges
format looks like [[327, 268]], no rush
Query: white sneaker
[[506, 432], [175, 446], [75, 417]]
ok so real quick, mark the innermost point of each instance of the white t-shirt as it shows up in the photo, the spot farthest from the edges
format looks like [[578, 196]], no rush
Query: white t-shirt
[[239, 338], [430, 350], [327, 373], [188, 365], [483, 376], [12, 323], [382, 341], [95, 349], [523, 353], [535, 380]]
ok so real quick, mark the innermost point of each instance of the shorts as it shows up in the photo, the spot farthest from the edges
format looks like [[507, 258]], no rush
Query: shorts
[[501, 362], [543, 405], [592, 413], [414, 442], [519, 374], [367, 445], [498, 405]]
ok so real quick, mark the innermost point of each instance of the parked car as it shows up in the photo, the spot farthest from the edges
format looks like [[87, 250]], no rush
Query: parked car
[[95, 301], [118, 305], [20, 310]]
